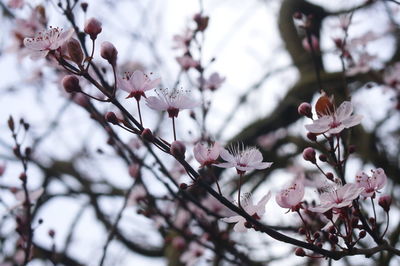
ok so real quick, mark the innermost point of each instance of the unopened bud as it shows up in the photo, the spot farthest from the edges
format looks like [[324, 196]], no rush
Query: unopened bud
[[183, 186], [323, 158], [111, 118], [302, 231], [385, 202], [372, 221], [11, 124], [109, 52], [71, 84], [75, 51], [84, 6], [330, 176], [300, 252], [305, 109], [311, 136], [134, 170], [22, 177], [201, 21], [51, 233], [93, 28], [333, 238], [309, 155], [147, 135], [362, 234], [178, 149]]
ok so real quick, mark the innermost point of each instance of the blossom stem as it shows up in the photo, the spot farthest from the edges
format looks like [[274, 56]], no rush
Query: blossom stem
[[240, 185], [373, 208], [140, 114], [305, 226], [173, 127], [387, 225], [91, 56]]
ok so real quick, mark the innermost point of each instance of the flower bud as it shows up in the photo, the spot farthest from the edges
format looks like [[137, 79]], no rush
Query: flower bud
[[333, 238], [147, 135], [362, 234], [309, 155], [71, 84], [302, 231], [51, 233], [300, 252], [352, 149], [183, 186], [385, 202], [201, 21], [330, 176], [305, 109], [177, 149], [93, 28], [109, 52], [323, 158], [134, 170], [84, 6], [311, 136], [75, 51], [111, 118]]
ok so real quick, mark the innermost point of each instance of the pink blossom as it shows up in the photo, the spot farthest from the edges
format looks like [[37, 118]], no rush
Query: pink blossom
[[336, 121], [213, 82], [192, 255], [171, 101], [257, 211], [15, 3], [46, 41], [137, 83], [20, 197], [206, 155], [183, 41], [187, 62], [137, 194], [243, 159], [371, 184], [290, 196], [337, 197]]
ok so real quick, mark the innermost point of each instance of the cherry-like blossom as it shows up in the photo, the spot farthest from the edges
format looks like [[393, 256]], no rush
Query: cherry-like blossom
[[171, 101], [192, 255], [137, 83], [337, 197], [213, 82], [243, 159], [371, 184], [187, 62], [335, 121], [183, 41], [291, 196], [257, 211], [49, 40], [206, 155]]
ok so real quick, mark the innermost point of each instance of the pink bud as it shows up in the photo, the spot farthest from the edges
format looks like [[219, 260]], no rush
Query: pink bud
[[178, 243], [305, 109], [300, 252], [134, 170], [385, 202], [75, 51], [147, 134], [309, 155], [178, 149], [71, 84], [93, 28], [109, 52], [111, 118]]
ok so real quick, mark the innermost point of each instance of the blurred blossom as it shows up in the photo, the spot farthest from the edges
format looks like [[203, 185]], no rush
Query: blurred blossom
[[257, 211], [206, 155], [186, 62], [213, 82]]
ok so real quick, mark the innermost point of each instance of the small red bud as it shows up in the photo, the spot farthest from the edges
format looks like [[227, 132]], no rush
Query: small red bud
[[147, 135], [302, 231], [111, 118], [178, 149], [11, 124], [93, 28], [71, 84], [183, 186], [300, 252], [372, 221], [51, 233], [109, 52], [84, 6], [385, 202], [333, 238], [362, 234], [311, 136], [75, 51], [22, 177], [305, 109], [309, 155], [323, 158], [330, 176]]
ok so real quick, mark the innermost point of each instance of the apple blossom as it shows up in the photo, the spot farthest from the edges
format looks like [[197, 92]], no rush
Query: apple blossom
[[206, 155], [336, 121], [371, 184], [337, 197], [49, 40], [137, 83], [257, 211], [243, 159]]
